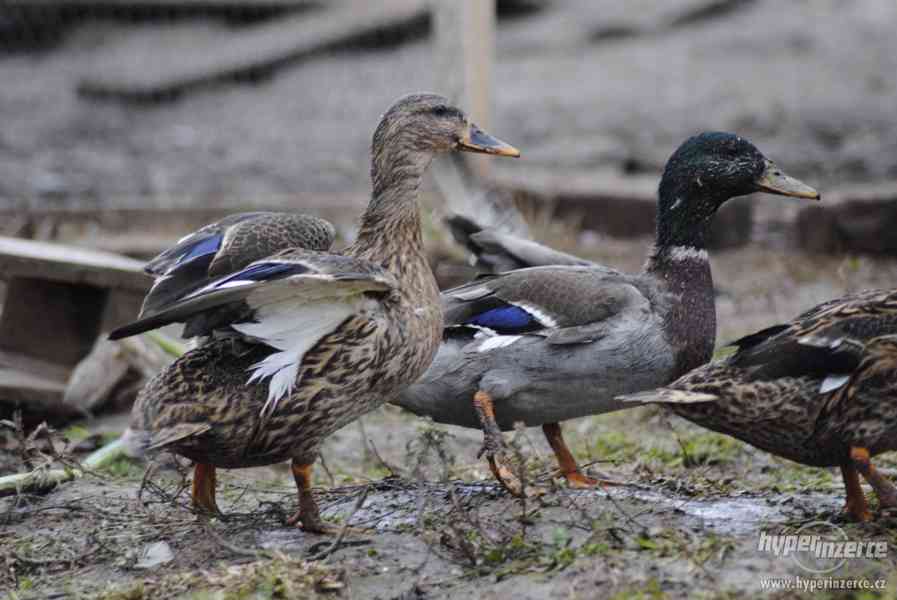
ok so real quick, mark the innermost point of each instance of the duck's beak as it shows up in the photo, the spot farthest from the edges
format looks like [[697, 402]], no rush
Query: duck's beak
[[478, 140], [774, 181]]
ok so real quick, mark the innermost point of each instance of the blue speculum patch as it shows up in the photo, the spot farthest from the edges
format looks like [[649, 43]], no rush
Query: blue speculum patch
[[202, 248], [505, 319]]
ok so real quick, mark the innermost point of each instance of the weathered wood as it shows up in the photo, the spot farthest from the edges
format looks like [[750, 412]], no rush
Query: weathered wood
[[69, 264], [184, 214], [251, 52], [51, 320], [95, 376], [859, 219], [464, 55], [58, 300], [36, 393]]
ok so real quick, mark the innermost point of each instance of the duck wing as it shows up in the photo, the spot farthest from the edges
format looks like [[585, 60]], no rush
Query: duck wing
[[288, 302], [567, 305], [831, 358], [497, 251], [225, 247], [786, 350]]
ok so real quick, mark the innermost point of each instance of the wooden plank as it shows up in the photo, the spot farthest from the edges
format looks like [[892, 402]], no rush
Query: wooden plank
[[251, 52], [51, 320], [188, 213], [860, 219], [69, 264], [48, 370], [464, 57], [33, 393]]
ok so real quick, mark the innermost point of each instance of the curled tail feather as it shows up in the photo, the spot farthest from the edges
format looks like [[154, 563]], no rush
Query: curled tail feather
[[139, 442], [668, 396]]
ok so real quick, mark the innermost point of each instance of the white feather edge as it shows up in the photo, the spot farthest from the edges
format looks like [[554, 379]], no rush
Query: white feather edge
[[292, 315], [544, 319], [832, 383], [496, 342], [293, 329]]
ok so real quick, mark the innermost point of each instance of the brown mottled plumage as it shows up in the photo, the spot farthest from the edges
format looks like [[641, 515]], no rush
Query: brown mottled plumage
[[375, 307], [801, 392]]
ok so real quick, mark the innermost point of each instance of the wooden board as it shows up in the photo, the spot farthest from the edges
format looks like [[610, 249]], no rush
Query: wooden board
[[70, 264], [248, 53], [860, 219], [33, 393]]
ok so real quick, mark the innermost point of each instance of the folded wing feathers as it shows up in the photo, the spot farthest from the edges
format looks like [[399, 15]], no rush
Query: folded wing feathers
[[294, 314]]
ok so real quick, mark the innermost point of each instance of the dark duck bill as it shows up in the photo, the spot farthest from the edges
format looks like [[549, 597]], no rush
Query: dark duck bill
[[477, 140]]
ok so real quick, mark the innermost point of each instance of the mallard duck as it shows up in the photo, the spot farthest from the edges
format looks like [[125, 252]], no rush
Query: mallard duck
[[314, 339], [831, 403], [546, 344]]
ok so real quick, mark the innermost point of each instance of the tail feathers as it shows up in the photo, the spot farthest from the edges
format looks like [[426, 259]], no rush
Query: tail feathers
[[462, 228], [135, 442], [668, 396], [139, 442]]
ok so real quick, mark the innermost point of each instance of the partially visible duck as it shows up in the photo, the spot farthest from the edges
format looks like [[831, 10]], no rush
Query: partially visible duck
[[832, 403], [546, 344], [313, 339]]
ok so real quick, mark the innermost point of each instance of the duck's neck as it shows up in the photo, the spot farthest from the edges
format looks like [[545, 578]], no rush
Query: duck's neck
[[691, 321], [391, 226]]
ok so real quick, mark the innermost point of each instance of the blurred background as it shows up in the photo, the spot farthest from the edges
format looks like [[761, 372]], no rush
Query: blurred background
[[128, 123]]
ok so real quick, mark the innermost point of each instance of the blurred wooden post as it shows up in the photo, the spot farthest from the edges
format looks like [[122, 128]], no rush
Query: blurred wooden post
[[465, 49]]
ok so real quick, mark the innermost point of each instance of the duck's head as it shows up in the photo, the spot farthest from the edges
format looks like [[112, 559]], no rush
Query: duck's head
[[704, 172], [418, 126]]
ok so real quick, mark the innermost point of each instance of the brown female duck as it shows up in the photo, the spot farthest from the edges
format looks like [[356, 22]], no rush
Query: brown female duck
[[311, 340], [806, 392]]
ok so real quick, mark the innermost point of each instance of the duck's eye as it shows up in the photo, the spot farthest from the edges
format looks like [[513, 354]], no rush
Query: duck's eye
[[441, 111]]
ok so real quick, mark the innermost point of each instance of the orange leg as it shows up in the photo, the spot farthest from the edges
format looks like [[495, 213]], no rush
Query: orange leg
[[493, 444], [856, 505], [204, 480], [308, 516], [566, 462], [884, 489]]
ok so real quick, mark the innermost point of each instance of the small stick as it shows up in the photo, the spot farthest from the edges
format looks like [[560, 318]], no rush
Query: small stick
[[239, 551], [344, 529], [43, 480]]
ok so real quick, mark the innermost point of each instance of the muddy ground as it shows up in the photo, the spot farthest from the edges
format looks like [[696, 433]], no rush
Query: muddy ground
[[580, 86], [684, 522]]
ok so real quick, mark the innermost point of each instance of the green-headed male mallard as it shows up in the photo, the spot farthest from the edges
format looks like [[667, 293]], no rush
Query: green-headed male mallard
[[546, 344], [831, 402], [303, 342]]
